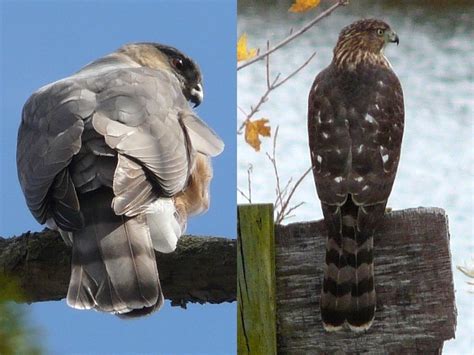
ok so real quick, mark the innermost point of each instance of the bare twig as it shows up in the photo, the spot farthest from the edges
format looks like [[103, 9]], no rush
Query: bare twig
[[284, 191], [288, 215], [249, 181], [283, 196], [242, 110], [283, 213], [271, 85], [294, 72], [248, 196], [272, 158], [296, 34], [256, 108], [244, 195], [267, 66]]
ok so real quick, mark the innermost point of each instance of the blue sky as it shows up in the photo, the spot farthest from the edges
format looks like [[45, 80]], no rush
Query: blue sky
[[42, 41]]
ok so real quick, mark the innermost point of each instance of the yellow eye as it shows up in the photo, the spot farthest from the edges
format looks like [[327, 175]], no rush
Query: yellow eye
[[380, 32]]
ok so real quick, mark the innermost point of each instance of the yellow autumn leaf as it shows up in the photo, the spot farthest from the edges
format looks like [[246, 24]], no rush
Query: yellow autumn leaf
[[255, 129], [243, 53], [303, 5]]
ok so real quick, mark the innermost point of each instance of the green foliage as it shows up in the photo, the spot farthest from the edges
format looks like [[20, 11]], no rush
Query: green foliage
[[16, 337]]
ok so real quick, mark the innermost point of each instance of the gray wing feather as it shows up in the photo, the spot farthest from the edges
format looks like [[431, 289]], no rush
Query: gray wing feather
[[142, 122], [164, 156], [133, 192], [48, 138], [202, 137]]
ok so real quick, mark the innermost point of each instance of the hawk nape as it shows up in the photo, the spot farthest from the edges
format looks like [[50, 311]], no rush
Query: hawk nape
[[355, 126], [115, 159]]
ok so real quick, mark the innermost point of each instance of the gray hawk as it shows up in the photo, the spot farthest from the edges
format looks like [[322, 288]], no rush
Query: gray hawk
[[115, 159]]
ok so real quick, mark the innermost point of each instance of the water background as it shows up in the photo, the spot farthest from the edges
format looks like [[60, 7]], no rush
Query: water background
[[434, 63]]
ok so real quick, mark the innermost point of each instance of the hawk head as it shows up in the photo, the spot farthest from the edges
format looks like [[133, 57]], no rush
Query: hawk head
[[363, 41], [159, 56]]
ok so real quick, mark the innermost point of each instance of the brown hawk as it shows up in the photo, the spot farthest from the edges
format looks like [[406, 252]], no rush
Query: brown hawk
[[115, 159], [355, 126]]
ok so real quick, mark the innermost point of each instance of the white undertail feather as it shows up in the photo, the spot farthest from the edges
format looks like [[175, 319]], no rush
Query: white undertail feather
[[165, 229], [362, 328]]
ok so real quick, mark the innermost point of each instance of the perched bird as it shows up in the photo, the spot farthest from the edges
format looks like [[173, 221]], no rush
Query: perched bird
[[355, 126], [115, 159]]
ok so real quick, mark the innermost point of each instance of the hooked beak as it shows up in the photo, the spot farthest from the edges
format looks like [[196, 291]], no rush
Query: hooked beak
[[392, 37], [196, 95]]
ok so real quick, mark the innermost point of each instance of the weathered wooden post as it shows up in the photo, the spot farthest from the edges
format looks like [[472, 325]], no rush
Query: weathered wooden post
[[256, 309], [415, 313]]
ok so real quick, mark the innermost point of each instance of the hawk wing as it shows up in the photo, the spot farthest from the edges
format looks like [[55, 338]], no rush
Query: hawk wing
[[159, 132], [143, 117], [100, 155], [49, 137], [355, 135], [355, 125]]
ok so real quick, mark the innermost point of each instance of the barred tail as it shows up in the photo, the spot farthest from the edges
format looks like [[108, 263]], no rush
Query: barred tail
[[113, 262], [362, 309], [337, 284], [348, 294]]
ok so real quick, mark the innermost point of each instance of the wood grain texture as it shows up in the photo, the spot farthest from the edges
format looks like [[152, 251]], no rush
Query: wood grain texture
[[415, 312], [201, 270], [256, 311]]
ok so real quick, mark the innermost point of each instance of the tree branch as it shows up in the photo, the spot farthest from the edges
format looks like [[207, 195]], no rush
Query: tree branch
[[201, 270], [271, 85], [283, 196], [296, 34]]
